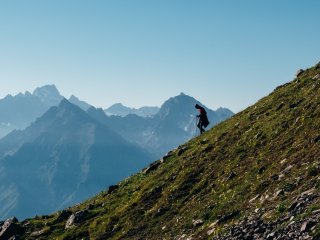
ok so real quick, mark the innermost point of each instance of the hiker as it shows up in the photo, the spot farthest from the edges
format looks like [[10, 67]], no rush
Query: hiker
[[203, 121]]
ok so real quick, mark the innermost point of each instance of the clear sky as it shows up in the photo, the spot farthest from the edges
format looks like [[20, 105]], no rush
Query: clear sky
[[141, 52]]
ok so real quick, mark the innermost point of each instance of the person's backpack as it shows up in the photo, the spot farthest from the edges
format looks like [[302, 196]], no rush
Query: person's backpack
[[205, 121]]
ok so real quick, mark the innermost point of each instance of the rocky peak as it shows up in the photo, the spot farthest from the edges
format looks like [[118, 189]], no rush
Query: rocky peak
[[48, 94]]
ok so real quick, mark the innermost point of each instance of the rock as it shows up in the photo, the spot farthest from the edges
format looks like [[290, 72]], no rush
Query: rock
[[10, 228], [112, 188], [316, 139], [255, 198], [39, 233], [231, 176], [316, 211], [287, 169], [261, 170], [299, 72], [197, 223], [304, 227], [208, 148], [152, 167], [64, 215], [271, 236], [227, 217], [307, 225], [14, 238], [181, 150], [281, 105], [308, 192], [316, 77], [278, 193], [293, 206], [169, 154], [76, 218], [204, 141]]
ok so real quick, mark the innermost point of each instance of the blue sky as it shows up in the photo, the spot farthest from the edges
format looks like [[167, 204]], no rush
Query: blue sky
[[141, 52]]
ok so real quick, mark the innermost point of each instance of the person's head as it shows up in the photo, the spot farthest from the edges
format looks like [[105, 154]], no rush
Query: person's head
[[197, 106]]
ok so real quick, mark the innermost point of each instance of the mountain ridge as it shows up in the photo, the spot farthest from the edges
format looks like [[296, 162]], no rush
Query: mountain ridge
[[118, 109]]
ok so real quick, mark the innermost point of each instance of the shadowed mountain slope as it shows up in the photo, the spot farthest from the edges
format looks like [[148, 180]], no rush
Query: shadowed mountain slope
[[61, 159], [254, 176]]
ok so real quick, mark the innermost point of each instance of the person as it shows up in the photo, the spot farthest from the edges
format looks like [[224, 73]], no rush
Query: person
[[203, 119]]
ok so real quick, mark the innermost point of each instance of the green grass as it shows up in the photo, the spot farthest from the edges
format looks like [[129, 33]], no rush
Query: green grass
[[255, 146]]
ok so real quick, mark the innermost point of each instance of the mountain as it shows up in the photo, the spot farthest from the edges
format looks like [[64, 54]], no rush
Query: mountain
[[119, 110], [82, 104], [174, 124], [48, 95], [253, 176], [63, 158], [17, 112]]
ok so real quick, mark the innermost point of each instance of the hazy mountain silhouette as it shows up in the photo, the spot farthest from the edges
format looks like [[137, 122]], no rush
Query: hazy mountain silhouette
[[48, 95], [17, 112], [64, 157], [119, 110]]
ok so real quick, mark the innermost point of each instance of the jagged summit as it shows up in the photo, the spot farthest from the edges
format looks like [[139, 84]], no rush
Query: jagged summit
[[48, 94], [254, 176]]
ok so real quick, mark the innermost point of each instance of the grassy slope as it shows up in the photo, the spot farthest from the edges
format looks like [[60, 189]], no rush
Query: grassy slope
[[213, 175]]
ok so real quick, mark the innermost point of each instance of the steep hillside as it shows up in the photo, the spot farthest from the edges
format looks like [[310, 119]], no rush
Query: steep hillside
[[254, 176]]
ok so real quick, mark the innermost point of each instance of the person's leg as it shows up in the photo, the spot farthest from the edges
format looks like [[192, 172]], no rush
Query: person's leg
[[199, 125], [201, 128]]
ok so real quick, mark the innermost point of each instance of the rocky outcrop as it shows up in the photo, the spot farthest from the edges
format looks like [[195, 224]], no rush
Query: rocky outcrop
[[77, 218], [10, 229], [289, 226]]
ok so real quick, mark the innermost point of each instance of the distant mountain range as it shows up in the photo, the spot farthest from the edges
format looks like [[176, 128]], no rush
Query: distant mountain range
[[64, 157], [19, 111], [119, 110]]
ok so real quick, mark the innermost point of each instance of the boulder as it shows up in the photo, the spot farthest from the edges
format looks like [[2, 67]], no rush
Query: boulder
[[112, 188], [227, 217], [316, 77], [76, 218], [299, 72], [10, 228], [181, 150], [63, 215], [152, 167], [232, 175], [197, 223]]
